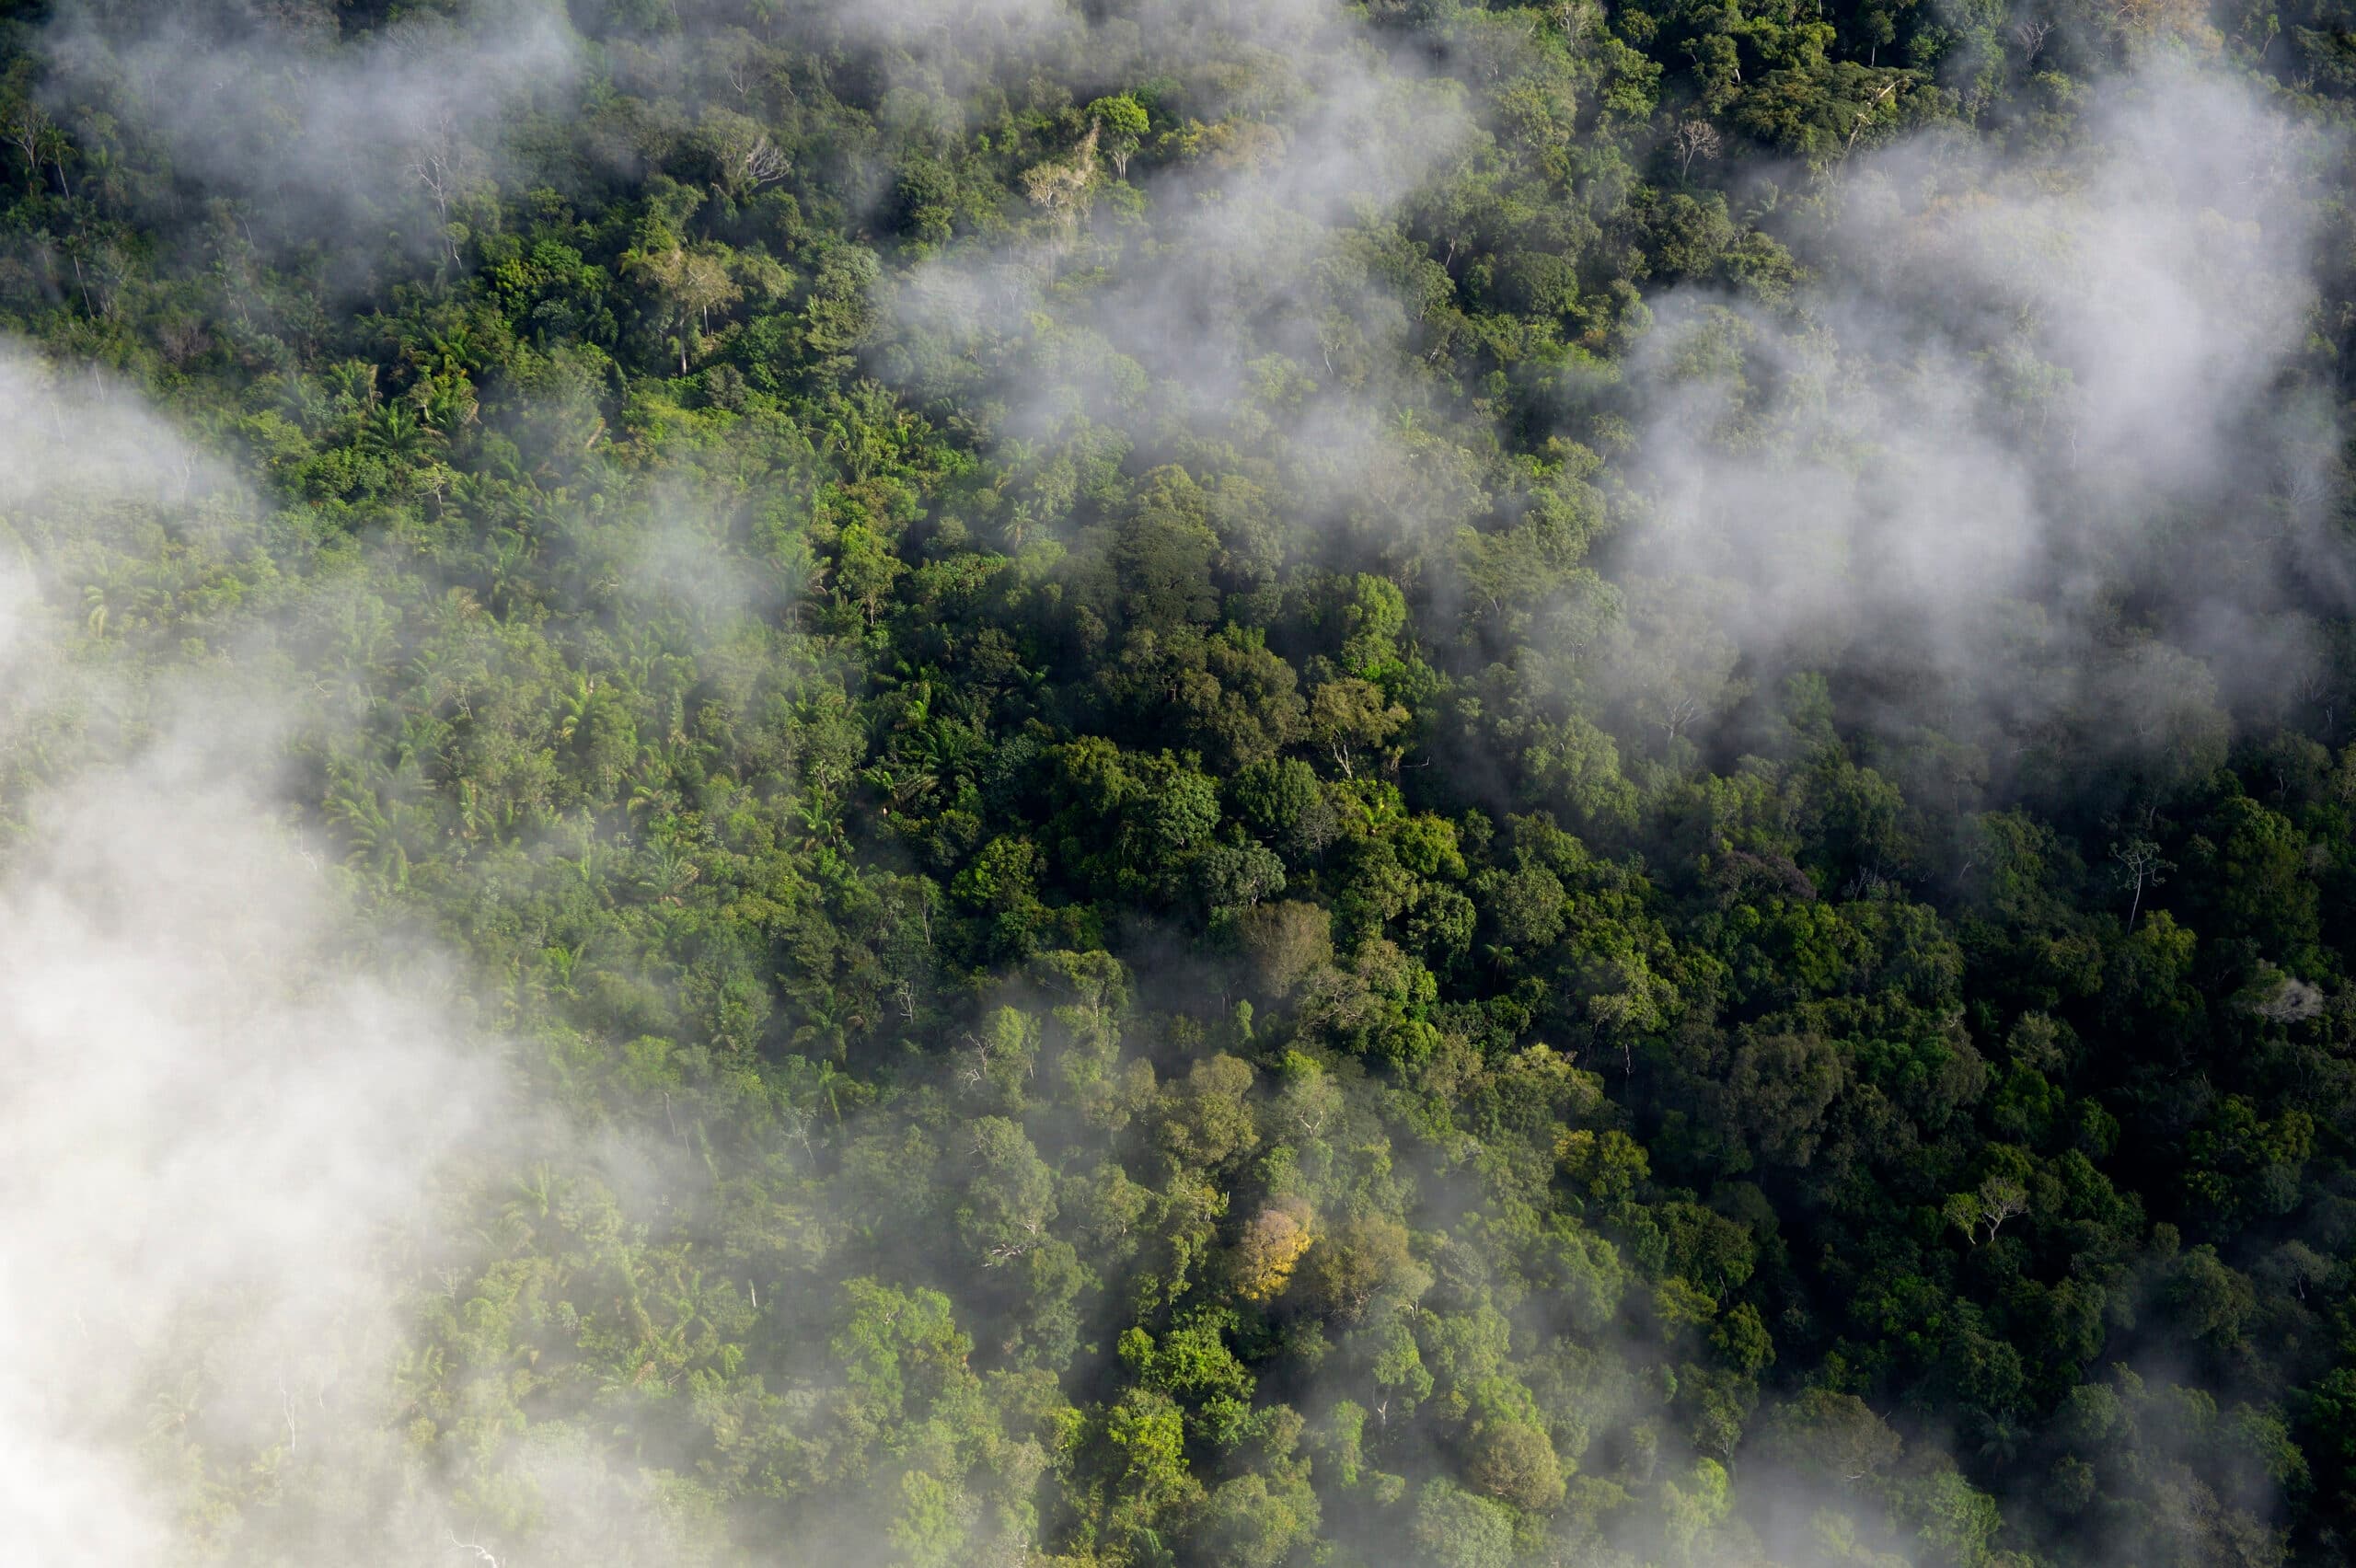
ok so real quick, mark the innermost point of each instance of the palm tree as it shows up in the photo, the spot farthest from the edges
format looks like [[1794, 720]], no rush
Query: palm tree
[[400, 434]]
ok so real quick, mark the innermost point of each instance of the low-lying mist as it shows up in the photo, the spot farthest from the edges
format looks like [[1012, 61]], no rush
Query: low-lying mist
[[243, 1127], [2021, 451]]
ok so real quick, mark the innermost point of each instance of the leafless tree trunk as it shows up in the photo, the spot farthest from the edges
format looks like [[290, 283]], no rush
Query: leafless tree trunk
[[1864, 115], [2140, 866], [1694, 139], [2001, 1199], [764, 165], [436, 164], [26, 127]]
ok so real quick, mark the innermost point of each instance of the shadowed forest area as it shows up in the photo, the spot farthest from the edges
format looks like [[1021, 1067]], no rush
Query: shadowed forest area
[[1178, 783]]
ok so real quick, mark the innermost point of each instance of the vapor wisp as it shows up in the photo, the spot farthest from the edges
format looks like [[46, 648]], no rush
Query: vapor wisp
[[2024, 448]]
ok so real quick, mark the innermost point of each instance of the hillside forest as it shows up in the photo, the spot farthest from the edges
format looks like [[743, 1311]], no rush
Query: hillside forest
[[1177, 783]]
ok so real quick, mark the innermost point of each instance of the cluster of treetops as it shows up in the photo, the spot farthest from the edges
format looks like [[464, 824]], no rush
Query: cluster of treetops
[[1200, 1039]]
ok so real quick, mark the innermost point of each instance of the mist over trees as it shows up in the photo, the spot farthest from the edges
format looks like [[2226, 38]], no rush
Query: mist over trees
[[1177, 783]]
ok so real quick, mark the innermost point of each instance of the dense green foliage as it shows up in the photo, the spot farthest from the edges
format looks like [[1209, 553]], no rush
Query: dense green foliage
[[1195, 1026]]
